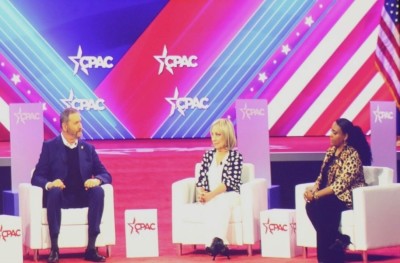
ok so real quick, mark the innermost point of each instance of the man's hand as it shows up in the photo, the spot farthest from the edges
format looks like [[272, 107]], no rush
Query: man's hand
[[56, 183], [93, 182]]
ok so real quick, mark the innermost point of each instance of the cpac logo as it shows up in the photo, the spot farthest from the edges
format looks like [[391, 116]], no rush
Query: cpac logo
[[382, 115], [274, 227], [6, 233], [83, 104], [173, 61], [137, 227], [182, 104], [26, 116], [247, 113], [88, 62]]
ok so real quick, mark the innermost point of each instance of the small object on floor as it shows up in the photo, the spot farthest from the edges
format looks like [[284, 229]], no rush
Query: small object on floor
[[218, 248]]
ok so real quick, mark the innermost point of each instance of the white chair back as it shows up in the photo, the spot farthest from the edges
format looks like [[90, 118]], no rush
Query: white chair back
[[376, 175]]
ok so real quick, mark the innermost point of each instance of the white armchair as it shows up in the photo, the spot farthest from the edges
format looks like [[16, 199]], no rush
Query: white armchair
[[373, 221], [244, 227], [74, 223]]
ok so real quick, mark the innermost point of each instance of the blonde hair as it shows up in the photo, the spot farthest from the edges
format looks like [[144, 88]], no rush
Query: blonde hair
[[228, 131]]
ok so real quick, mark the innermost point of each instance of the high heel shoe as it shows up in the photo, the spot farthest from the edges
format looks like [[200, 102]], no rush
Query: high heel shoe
[[218, 247], [341, 243]]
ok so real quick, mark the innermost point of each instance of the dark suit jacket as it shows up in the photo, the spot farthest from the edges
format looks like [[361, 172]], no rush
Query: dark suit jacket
[[52, 163]]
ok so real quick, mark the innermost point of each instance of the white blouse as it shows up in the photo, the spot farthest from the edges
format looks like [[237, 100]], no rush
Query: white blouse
[[215, 173]]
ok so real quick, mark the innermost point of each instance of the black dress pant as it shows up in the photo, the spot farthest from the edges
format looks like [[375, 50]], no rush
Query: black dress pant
[[325, 215], [56, 198]]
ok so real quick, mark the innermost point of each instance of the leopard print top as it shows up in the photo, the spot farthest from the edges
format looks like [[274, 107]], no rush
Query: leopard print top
[[345, 174]]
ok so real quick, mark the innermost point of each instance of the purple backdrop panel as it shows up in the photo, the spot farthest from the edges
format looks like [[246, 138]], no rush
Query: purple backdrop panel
[[26, 137], [383, 134], [253, 135]]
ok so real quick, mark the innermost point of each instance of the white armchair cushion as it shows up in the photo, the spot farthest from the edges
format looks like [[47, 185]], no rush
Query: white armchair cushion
[[375, 217], [74, 228], [376, 175], [195, 214], [305, 232], [71, 216]]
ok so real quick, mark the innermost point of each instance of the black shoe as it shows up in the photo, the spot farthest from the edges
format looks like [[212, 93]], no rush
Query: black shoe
[[218, 247], [53, 257], [225, 252], [341, 243], [92, 255], [209, 251]]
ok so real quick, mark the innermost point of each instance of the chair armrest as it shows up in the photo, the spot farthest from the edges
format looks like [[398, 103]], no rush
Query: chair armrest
[[305, 232], [376, 216], [30, 211], [184, 191], [108, 217], [253, 196]]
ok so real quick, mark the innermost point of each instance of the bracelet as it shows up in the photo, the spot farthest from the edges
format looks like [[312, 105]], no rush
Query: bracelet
[[315, 195]]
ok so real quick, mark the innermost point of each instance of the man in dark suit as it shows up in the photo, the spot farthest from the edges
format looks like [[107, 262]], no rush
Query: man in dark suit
[[70, 173]]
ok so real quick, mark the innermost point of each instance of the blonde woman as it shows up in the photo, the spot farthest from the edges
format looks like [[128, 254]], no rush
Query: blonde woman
[[218, 186]]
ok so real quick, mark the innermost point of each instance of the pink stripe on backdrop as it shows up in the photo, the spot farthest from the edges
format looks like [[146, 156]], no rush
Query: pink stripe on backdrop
[[328, 72], [324, 21], [300, 55], [22, 91], [339, 105], [136, 75]]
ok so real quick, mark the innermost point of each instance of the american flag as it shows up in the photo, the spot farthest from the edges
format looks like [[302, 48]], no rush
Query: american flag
[[388, 48]]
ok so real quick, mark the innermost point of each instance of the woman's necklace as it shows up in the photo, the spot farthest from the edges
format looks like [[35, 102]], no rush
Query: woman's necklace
[[219, 157]]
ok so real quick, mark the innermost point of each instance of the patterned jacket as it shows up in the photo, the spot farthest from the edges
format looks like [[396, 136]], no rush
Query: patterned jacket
[[231, 174], [345, 174]]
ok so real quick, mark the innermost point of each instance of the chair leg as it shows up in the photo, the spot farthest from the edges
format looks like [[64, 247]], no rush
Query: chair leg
[[108, 251], [249, 250], [365, 256], [305, 251], [180, 249], [35, 255]]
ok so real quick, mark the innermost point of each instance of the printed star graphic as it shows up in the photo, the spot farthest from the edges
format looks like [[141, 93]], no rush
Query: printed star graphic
[[132, 225], [266, 226], [262, 77], [172, 101], [293, 225], [244, 111], [67, 102], [16, 79], [161, 60], [285, 49], [19, 116], [76, 60], [377, 113], [309, 21]]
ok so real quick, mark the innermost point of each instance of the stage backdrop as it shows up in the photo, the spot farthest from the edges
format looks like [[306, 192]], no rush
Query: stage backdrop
[[167, 69]]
